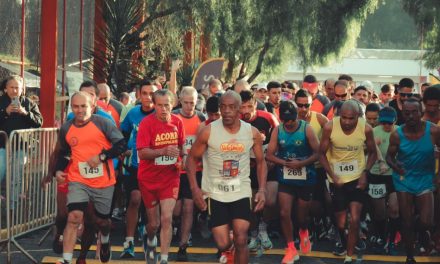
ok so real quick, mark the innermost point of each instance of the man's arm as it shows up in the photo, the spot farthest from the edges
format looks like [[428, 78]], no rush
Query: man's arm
[[393, 148], [272, 148], [260, 197], [35, 118], [371, 156], [323, 148], [195, 154], [313, 141]]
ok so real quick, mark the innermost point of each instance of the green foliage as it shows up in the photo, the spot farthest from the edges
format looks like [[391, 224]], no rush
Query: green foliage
[[390, 27], [426, 14]]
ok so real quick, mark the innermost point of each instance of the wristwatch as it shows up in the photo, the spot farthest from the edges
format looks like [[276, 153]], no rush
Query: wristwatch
[[102, 157]]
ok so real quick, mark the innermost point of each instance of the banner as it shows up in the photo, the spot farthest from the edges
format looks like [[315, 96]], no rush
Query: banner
[[208, 70]]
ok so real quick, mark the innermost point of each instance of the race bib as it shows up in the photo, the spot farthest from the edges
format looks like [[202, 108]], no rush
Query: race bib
[[346, 168], [294, 174], [224, 186], [189, 141], [88, 172], [165, 160], [377, 191], [230, 168]]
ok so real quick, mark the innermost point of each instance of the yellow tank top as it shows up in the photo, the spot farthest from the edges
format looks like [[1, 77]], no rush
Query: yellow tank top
[[346, 153], [317, 129], [314, 123]]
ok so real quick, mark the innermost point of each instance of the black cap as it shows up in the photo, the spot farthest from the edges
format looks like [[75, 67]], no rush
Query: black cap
[[288, 110]]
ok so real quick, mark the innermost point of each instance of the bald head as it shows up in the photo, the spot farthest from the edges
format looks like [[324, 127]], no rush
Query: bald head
[[104, 92], [241, 85]]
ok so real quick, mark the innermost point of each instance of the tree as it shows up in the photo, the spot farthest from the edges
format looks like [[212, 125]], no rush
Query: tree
[[426, 14]]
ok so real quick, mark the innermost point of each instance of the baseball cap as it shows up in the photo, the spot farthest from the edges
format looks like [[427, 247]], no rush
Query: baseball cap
[[288, 110], [387, 115]]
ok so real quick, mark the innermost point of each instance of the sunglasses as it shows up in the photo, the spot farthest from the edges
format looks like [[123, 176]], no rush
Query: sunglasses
[[303, 105], [406, 94], [341, 95], [387, 123]]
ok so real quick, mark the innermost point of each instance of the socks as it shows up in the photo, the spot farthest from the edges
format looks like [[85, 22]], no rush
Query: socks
[[152, 243], [163, 257], [105, 239], [262, 226], [68, 257], [348, 258], [129, 239]]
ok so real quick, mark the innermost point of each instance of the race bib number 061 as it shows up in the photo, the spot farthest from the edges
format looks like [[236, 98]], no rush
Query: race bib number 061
[[88, 172], [295, 174], [227, 186]]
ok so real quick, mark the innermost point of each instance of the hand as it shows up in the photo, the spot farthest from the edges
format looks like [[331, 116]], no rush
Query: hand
[[172, 151], [293, 164], [61, 177], [94, 161], [183, 162], [20, 110], [179, 165], [12, 108], [337, 181], [127, 153], [383, 167], [260, 200], [176, 64], [400, 170], [46, 180], [362, 182], [198, 199]]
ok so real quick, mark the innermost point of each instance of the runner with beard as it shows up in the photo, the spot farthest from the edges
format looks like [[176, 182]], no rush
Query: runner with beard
[[265, 122]]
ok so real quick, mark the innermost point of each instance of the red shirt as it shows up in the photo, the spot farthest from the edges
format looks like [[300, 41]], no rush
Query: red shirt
[[156, 134]]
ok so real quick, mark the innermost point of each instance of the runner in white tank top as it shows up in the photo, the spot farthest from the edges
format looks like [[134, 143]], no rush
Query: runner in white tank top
[[225, 146]]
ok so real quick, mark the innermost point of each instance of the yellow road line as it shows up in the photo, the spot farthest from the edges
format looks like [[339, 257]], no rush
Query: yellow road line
[[313, 254], [51, 260]]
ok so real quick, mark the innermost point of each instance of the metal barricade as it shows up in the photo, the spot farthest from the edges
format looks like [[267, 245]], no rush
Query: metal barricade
[[3, 209], [28, 206]]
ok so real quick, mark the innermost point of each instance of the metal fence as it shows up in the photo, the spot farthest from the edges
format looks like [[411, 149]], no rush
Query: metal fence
[[27, 207]]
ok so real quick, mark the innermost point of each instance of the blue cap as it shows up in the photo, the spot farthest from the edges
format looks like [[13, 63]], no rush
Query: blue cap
[[387, 116]]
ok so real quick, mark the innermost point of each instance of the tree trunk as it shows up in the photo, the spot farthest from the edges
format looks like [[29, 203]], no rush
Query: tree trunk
[[261, 57]]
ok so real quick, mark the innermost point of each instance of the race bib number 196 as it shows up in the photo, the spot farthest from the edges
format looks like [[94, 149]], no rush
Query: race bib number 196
[[88, 172], [165, 160]]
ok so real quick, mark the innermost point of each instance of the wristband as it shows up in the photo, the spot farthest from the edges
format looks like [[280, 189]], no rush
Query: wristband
[[262, 190]]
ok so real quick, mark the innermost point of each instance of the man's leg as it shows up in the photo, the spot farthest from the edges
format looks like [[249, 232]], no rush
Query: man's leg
[[425, 206], [240, 228], [406, 209], [187, 220], [60, 221], [270, 211], [89, 231], [166, 216], [74, 219], [353, 230]]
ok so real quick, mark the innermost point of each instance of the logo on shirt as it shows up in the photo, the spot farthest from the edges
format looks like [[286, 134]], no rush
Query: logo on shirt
[[232, 147], [169, 138], [73, 141], [298, 142]]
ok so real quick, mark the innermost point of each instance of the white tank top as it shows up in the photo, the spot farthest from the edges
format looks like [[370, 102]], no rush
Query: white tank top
[[226, 163]]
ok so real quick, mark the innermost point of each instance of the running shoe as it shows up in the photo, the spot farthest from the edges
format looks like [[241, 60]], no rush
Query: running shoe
[[391, 248], [291, 256], [128, 251], [163, 262], [151, 255], [57, 244], [62, 261], [227, 256], [410, 261], [253, 244], [105, 252], [304, 243], [182, 255], [348, 261], [80, 261], [265, 240], [339, 250], [360, 245]]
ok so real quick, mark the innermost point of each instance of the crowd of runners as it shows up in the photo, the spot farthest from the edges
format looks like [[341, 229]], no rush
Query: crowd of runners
[[330, 160]]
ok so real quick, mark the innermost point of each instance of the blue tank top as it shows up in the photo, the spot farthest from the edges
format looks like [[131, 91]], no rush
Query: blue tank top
[[295, 145], [417, 157]]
